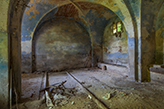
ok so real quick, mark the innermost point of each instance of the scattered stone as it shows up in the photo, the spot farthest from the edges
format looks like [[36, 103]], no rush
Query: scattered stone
[[107, 96], [50, 107], [59, 94], [89, 97], [48, 100], [72, 102], [64, 102]]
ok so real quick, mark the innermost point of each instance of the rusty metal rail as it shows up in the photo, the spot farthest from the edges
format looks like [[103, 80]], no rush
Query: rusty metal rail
[[100, 103]]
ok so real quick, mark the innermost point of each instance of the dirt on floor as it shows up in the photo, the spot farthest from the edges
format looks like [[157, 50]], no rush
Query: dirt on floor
[[113, 87]]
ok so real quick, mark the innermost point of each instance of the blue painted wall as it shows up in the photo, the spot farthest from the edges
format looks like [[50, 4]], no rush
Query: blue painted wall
[[96, 16], [115, 49]]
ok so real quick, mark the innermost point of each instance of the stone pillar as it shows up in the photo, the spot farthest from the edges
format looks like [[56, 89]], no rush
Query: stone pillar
[[147, 40], [159, 36], [16, 10], [14, 30]]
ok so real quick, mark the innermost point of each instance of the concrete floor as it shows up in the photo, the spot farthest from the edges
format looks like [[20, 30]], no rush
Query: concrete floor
[[125, 93]]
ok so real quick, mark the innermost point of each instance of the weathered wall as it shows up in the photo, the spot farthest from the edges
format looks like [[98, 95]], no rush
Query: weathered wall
[[39, 8], [96, 15], [62, 44], [134, 7], [159, 36], [125, 9], [150, 9], [4, 85], [115, 49]]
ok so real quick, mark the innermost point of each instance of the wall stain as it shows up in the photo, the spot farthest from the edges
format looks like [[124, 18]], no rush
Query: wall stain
[[33, 10]]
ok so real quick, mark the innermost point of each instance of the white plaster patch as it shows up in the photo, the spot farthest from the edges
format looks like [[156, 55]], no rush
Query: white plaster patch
[[115, 47], [26, 46]]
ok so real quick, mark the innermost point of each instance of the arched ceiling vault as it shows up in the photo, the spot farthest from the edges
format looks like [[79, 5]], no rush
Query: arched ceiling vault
[[77, 11], [38, 9], [118, 7]]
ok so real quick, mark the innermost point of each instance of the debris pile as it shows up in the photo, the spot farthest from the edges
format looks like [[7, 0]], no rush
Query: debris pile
[[57, 94]]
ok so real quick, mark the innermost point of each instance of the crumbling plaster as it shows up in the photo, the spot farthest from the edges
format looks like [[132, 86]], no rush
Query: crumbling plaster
[[159, 36], [93, 13], [118, 7], [14, 10], [59, 47], [136, 13], [115, 49], [150, 10]]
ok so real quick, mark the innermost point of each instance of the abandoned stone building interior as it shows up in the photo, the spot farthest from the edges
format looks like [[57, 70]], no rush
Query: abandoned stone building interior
[[82, 54]]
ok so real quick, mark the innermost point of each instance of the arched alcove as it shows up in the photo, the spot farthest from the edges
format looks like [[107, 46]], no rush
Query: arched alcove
[[61, 44], [118, 7], [96, 20], [115, 47], [32, 12], [16, 13]]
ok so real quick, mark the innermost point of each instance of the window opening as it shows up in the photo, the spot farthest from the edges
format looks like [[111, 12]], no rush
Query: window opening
[[114, 28], [119, 26], [117, 29]]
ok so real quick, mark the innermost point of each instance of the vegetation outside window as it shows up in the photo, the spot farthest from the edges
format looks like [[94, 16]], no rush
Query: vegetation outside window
[[117, 29]]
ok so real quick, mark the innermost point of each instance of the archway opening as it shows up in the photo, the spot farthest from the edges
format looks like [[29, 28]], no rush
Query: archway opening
[[51, 52]]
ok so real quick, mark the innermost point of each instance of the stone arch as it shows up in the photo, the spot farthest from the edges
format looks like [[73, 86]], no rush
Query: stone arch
[[15, 14], [123, 13], [63, 47], [118, 7]]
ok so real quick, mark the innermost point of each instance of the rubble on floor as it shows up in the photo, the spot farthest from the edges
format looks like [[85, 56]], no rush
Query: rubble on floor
[[58, 95], [124, 93]]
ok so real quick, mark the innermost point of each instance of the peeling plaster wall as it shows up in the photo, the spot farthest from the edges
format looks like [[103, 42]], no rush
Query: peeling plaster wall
[[62, 44], [96, 15], [127, 10], [3, 68], [134, 7], [38, 9], [150, 9], [4, 85], [115, 49], [159, 37]]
